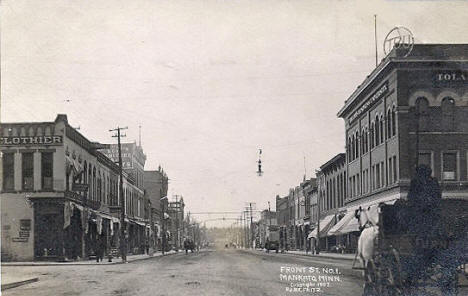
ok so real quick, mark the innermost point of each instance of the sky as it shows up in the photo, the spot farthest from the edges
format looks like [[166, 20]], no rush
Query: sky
[[209, 82]]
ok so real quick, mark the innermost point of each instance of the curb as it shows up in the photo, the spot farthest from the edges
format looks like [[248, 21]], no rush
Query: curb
[[313, 256], [82, 264], [325, 257], [19, 283]]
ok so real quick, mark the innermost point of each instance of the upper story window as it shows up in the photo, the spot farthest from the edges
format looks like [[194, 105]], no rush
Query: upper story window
[[28, 171], [449, 166], [393, 120], [8, 171], [377, 130], [350, 157], [371, 135], [389, 124], [381, 129], [47, 169], [364, 141], [357, 144], [448, 113]]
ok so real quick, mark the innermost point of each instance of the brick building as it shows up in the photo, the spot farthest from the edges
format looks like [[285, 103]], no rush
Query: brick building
[[156, 186], [413, 108], [59, 194]]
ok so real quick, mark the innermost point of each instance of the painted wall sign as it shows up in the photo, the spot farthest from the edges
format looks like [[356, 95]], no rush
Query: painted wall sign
[[374, 97], [19, 239], [449, 78], [127, 154], [36, 140]]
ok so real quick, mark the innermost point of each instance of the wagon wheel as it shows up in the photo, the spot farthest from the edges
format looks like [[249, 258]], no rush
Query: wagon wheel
[[370, 280], [447, 279], [391, 280]]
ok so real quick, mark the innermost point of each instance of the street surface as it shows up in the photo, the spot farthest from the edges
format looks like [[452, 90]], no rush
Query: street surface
[[221, 272]]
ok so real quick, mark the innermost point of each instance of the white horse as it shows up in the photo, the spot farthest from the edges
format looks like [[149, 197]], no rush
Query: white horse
[[367, 219]]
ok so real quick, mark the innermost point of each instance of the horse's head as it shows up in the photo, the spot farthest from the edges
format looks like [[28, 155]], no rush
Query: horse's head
[[363, 217]]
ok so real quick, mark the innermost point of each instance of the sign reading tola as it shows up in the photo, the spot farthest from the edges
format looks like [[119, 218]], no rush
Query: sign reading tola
[[450, 78]]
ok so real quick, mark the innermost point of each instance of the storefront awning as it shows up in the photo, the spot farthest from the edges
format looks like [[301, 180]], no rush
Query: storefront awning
[[336, 230], [325, 225], [351, 223]]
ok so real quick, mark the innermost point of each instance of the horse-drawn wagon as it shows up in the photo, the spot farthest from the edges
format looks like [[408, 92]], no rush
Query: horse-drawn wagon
[[406, 250], [417, 246]]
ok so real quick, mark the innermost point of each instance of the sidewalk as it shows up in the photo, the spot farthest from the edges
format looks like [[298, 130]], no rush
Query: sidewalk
[[15, 280], [130, 258]]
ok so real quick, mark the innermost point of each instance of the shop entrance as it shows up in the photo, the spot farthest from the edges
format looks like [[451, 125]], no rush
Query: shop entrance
[[48, 230]]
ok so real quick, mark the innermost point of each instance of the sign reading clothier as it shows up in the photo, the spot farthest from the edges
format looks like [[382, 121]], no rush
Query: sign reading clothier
[[36, 140], [374, 97]]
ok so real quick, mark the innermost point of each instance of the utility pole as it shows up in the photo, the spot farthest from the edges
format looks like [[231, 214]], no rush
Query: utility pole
[[251, 227], [123, 232], [269, 212], [163, 237], [319, 197], [375, 39], [246, 234]]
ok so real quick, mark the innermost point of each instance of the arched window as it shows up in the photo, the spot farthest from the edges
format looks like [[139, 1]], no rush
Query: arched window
[[389, 124], [448, 113], [90, 181], [382, 130], [393, 120], [363, 141], [371, 135], [357, 144], [353, 147], [377, 130], [94, 184], [349, 149], [99, 188]]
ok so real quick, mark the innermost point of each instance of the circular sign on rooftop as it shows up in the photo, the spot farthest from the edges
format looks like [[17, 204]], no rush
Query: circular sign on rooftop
[[399, 38]]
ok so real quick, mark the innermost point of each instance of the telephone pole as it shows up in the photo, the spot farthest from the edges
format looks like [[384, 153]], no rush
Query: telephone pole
[[123, 232], [251, 227]]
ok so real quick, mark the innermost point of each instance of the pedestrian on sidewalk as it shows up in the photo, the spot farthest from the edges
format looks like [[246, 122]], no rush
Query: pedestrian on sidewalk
[[100, 249]]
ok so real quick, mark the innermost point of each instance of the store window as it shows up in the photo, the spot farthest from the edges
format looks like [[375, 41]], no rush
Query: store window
[[28, 171], [449, 166], [8, 171], [47, 167]]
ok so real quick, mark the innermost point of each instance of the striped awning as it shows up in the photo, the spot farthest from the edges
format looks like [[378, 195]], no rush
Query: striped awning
[[325, 225], [337, 229]]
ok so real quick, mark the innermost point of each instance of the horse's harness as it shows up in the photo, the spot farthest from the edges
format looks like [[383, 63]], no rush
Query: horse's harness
[[368, 222]]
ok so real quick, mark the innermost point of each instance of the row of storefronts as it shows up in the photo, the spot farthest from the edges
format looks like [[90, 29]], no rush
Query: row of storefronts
[[411, 110], [60, 198]]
